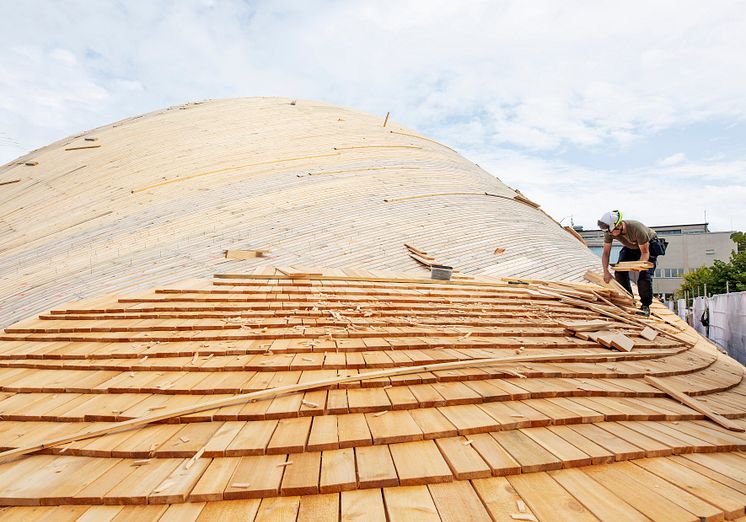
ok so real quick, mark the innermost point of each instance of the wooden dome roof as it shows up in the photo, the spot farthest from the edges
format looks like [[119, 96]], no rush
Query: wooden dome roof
[[266, 388]]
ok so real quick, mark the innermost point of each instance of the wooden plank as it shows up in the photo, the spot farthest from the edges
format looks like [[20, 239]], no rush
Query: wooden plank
[[410, 504], [318, 508], [648, 334], [375, 467], [278, 508], [469, 419], [598, 454], [500, 498], [559, 447], [652, 447], [598, 498], [457, 502], [530, 455], [176, 486], [252, 439], [719, 464], [585, 326], [353, 430], [728, 500], [219, 442], [693, 404], [464, 461], [324, 434], [393, 426], [497, 458], [338, 471], [419, 463], [731, 482], [701, 509], [547, 499], [302, 476], [433, 424], [136, 487], [647, 501], [290, 436], [230, 510], [214, 480], [362, 506], [186, 512], [256, 476]]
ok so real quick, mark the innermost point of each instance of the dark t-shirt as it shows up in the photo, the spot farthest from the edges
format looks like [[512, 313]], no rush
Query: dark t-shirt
[[635, 233]]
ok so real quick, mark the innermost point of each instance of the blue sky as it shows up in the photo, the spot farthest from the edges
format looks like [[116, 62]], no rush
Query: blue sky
[[583, 106]]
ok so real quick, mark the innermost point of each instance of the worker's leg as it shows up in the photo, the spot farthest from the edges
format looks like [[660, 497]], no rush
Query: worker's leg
[[626, 254], [645, 283]]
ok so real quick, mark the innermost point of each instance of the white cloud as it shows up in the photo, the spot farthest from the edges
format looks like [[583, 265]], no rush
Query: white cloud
[[673, 159], [657, 195], [538, 77]]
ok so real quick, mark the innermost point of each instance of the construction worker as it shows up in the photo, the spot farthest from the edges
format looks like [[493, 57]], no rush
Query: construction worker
[[640, 243]]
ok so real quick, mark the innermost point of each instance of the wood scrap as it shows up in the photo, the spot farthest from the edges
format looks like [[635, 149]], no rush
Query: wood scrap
[[9, 182], [584, 326], [294, 274], [648, 334], [618, 290], [575, 234], [694, 404], [83, 147], [523, 199], [245, 254]]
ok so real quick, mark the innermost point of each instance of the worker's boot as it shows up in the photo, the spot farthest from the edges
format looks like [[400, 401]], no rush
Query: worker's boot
[[644, 311]]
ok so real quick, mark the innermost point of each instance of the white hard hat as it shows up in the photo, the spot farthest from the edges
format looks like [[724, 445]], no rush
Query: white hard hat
[[610, 220]]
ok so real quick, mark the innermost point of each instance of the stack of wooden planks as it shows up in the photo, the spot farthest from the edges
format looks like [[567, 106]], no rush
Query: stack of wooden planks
[[632, 266]]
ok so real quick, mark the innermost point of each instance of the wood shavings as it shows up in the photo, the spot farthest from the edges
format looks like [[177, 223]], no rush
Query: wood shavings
[[521, 505], [140, 462], [380, 413], [132, 374], [288, 463], [241, 485], [184, 439], [155, 408], [194, 459], [522, 516], [143, 359], [468, 442], [309, 404]]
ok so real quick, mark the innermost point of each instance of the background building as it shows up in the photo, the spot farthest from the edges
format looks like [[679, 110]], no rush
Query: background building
[[689, 247]]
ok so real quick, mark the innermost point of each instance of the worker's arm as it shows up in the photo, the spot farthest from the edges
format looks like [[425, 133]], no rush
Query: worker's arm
[[644, 252], [605, 262]]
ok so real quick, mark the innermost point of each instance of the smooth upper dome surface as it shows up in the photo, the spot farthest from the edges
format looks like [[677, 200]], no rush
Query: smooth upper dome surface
[[160, 197]]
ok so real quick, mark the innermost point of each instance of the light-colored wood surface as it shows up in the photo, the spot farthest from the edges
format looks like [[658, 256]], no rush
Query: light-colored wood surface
[[343, 383], [310, 186]]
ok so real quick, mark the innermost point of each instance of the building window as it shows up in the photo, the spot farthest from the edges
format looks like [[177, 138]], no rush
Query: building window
[[710, 252]]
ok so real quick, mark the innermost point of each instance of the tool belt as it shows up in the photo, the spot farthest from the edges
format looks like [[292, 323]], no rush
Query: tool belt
[[658, 247]]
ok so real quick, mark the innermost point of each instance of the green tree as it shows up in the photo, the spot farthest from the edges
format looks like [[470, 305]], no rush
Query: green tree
[[740, 239], [695, 281], [719, 277]]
